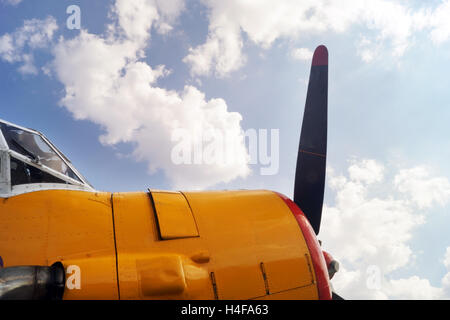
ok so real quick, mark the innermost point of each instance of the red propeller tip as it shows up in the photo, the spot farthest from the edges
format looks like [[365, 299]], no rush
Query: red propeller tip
[[320, 57]]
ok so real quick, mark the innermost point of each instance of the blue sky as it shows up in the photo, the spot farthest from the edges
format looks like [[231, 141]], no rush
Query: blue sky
[[387, 188]]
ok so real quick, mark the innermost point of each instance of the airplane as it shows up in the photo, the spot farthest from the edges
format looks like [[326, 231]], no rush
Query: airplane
[[62, 239]]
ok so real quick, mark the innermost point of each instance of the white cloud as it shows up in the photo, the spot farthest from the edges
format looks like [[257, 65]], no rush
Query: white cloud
[[440, 23], [363, 231], [136, 18], [28, 66], [368, 171], [447, 258], [413, 288], [422, 189], [222, 51], [368, 50], [389, 27], [107, 82], [18, 46], [169, 11], [302, 54], [446, 279], [7, 48]]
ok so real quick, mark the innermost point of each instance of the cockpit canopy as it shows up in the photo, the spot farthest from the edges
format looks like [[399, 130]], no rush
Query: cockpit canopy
[[30, 162]]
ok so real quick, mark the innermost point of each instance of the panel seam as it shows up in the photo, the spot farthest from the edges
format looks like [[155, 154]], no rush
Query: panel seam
[[115, 245]]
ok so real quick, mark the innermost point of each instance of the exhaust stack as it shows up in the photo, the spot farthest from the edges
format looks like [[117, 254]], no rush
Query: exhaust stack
[[32, 282]]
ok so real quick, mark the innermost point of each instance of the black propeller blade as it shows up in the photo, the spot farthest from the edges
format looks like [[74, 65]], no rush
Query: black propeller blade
[[335, 296], [311, 160]]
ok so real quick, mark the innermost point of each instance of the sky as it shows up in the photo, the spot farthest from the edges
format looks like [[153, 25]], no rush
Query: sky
[[145, 93]]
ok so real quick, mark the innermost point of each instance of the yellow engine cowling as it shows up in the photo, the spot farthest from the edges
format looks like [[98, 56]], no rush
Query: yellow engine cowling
[[166, 245]]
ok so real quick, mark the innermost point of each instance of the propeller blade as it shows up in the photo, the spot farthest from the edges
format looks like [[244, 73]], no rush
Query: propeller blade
[[311, 160], [335, 296]]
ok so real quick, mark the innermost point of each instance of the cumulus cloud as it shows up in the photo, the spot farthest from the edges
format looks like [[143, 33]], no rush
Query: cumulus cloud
[[136, 18], [108, 82], [222, 51], [302, 54], [366, 171], [414, 288], [17, 47], [390, 26], [422, 189], [440, 23], [370, 234]]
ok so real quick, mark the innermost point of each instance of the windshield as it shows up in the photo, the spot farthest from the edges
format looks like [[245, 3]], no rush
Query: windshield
[[34, 147]]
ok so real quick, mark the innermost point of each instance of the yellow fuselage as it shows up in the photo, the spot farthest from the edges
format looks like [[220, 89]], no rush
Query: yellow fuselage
[[163, 245]]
